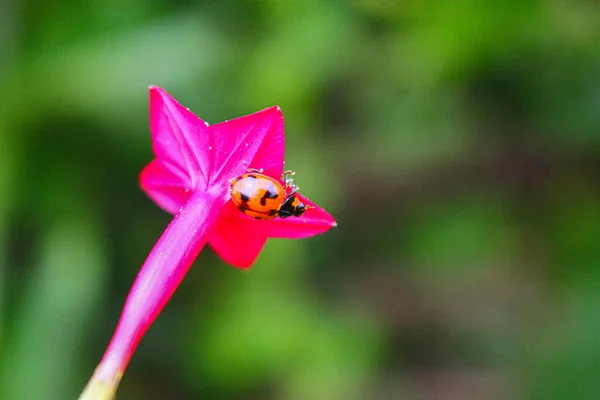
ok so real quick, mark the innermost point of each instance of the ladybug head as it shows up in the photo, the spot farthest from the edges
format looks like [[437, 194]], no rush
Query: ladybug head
[[299, 208], [292, 206]]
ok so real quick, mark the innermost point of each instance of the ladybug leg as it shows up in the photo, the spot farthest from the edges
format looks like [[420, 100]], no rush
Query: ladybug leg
[[289, 182], [260, 171]]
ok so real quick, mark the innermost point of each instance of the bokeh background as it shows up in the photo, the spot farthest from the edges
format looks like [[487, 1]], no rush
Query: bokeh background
[[456, 143]]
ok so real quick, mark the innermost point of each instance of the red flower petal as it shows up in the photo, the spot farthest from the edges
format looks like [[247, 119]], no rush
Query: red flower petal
[[314, 221], [236, 240], [166, 184], [180, 138], [253, 141]]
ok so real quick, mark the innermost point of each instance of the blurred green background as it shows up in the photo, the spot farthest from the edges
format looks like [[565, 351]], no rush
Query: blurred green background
[[456, 143]]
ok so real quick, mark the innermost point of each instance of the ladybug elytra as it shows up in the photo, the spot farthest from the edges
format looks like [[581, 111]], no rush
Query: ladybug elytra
[[262, 197]]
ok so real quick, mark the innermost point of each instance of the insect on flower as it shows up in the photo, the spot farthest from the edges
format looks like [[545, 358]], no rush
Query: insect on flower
[[189, 178], [262, 197]]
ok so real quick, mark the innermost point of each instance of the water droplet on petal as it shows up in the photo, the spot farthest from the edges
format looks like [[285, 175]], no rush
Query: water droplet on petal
[[205, 123], [246, 144], [210, 147], [181, 209]]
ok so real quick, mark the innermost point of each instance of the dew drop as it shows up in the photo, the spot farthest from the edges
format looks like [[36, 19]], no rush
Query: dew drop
[[205, 123], [181, 209], [210, 147], [246, 144]]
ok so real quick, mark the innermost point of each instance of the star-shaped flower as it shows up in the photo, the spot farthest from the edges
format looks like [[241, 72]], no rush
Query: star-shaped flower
[[190, 177], [193, 156]]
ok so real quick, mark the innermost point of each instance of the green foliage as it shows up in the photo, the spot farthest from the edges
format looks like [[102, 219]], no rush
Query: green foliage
[[457, 144]]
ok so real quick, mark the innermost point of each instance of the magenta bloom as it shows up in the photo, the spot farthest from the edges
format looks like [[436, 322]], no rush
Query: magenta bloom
[[195, 157], [190, 178]]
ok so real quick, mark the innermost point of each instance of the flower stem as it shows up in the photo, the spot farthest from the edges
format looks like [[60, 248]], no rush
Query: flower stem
[[156, 282]]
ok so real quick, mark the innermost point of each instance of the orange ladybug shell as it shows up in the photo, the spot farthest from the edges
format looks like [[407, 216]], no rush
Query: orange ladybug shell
[[257, 195]]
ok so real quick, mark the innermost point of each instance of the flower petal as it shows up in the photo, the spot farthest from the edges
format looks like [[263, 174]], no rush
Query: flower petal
[[314, 221], [179, 137], [236, 240], [253, 141], [166, 184]]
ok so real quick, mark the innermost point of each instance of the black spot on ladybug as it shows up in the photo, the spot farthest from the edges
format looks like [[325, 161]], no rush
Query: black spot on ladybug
[[273, 211], [257, 217], [269, 194], [245, 197], [252, 176]]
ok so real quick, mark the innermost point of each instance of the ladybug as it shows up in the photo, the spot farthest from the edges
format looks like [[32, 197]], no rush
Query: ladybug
[[262, 197]]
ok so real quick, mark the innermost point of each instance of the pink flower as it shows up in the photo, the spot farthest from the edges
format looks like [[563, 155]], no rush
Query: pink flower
[[190, 177]]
